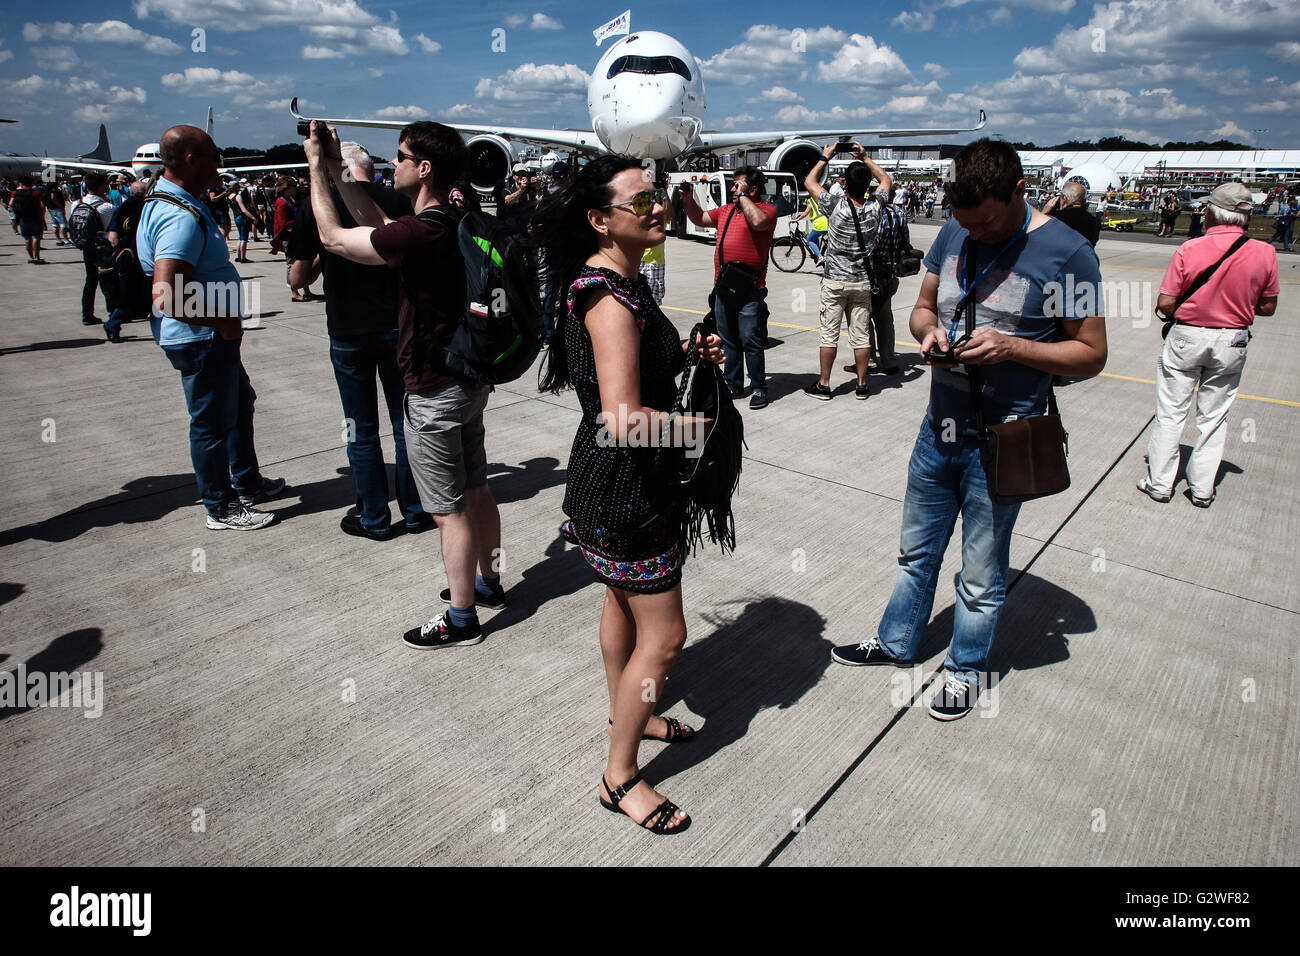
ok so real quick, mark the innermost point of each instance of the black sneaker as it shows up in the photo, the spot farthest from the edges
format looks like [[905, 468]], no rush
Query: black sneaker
[[93, 320], [758, 399], [440, 632], [492, 600], [956, 698], [269, 489], [861, 655], [419, 527], [818, 390], [351, 524], [862, 392]]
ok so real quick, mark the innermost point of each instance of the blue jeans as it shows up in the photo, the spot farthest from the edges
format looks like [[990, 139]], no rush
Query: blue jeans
[[356, 362], [220, 400], [944, 479], [241, 223], [741, 329], [815, 241]]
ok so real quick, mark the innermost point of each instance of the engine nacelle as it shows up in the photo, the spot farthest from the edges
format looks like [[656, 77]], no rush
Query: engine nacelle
[[490, 159], [795, 156]]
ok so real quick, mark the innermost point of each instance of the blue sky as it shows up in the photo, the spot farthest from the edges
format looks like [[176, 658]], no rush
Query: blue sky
[[1045, 70]]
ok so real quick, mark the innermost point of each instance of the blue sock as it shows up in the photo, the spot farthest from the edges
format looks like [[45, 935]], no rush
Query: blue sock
[[462, 616], [487, 585]]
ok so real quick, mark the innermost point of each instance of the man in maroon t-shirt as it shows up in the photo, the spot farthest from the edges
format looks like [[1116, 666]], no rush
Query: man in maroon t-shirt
[[444, 414], [745, 229]]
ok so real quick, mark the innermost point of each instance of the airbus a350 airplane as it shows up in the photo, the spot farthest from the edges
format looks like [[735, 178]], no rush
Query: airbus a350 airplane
[[646, 98]]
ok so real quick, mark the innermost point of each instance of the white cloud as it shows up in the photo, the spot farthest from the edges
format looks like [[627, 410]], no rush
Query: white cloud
[[374, 71], [936, 70], [1231, 130], [740, 119], [779, 94], [320, 53], [1271, 106], [30, 85], [462, 111], [357, 41], [863, 62], [105, 31], [59, 59], [402, 113], [1288, 50], [914, 21], [516, 20], [1183, 31], [769, 53], [533, 83], [427, 45], [243, 88], [1000, 17], [541, 21], [6, 56], [255, 14]]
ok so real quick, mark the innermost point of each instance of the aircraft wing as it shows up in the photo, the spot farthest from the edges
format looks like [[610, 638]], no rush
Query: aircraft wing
[[114, 168], [567, 139], [236, 170], [714, 142]]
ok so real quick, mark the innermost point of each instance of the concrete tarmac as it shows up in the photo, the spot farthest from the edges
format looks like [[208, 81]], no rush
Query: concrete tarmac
[[258, 706]]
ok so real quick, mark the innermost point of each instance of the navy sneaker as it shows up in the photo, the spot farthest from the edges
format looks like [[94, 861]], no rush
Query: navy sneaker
[[351, 524], [440, 632], [758, 399], [492, 600], [956, 699], [861, 655]]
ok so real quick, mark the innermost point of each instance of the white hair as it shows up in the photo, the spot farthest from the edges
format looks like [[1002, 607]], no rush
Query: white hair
[[1216, 216], [356, 155]]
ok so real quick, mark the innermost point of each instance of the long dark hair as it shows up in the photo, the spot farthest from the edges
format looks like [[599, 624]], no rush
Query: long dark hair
[[560, 226]]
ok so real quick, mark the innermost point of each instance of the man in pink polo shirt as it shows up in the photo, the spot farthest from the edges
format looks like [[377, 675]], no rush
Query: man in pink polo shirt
[[1207, 345]]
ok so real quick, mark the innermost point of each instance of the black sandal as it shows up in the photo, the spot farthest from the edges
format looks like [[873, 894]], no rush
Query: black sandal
[[678, 733], [662, 815]]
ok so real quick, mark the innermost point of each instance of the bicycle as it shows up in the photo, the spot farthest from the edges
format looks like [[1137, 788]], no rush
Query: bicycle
[[790, 252]]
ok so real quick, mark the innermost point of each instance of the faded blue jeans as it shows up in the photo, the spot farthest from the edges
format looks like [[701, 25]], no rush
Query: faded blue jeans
[[945, 479]]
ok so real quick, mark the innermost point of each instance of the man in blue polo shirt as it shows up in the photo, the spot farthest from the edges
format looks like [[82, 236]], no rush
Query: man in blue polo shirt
[[197, 304], [1038, 313]]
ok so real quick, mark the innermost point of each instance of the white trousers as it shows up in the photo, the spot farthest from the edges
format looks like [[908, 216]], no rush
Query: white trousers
[[1192, 357]]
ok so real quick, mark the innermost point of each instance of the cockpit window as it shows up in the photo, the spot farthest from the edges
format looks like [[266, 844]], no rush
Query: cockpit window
[[648, 64]]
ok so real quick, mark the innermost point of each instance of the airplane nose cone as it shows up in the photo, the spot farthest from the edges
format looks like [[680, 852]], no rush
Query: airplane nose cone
[[646, 118]]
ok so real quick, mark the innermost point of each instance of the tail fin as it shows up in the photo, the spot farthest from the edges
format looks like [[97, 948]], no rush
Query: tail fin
[[208, 128], [101, 151]]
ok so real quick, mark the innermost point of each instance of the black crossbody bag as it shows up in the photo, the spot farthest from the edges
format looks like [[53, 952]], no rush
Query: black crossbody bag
[[1172, 319], [1023, 459], [736, 281]]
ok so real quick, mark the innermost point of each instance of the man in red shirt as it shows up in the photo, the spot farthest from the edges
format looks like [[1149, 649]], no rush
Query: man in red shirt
[[745, 229], [1207, 345]]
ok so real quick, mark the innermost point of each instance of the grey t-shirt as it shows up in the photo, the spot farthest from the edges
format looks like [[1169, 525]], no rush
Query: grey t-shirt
[[847, 257]]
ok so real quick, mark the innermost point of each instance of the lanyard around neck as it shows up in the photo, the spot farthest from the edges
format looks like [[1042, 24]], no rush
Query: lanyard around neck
[[988, 266]]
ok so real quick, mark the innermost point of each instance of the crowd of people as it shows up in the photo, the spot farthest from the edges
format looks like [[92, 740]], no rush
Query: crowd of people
[[395, 288]]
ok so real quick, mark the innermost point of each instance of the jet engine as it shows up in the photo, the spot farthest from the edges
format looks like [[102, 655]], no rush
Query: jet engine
[[796, 156], [490, 159]]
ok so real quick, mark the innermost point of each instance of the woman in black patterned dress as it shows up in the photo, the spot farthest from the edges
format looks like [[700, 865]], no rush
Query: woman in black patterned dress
[[621, 355]]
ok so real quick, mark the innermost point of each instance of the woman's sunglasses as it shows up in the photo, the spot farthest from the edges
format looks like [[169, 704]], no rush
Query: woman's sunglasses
[[643, 202]]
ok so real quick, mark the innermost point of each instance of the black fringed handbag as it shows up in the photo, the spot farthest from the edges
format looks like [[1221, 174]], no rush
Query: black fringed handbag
[[710, 470]]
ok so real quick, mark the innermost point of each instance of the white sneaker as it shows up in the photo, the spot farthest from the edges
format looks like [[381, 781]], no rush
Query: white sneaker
[[240, 517]]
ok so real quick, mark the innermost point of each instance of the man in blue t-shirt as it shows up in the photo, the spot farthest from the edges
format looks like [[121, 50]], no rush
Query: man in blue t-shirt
[[183, 252], [1038, 313]]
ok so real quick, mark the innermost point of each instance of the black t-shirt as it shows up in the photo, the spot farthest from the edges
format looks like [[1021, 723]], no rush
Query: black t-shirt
[[428, 259], [359, 299], [1081, 221]]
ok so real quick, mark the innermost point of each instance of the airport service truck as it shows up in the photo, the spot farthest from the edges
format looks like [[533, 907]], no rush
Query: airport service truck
[[712, 190]]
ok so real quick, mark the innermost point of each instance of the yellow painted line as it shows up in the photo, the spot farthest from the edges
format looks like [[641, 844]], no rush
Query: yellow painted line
[[913, 345]]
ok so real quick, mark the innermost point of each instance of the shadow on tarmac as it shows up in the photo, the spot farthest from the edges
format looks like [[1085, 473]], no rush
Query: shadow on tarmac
[[64, 655]]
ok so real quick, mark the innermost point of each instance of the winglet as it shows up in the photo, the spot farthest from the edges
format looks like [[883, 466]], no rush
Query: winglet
[[208, 129], [293, 109]]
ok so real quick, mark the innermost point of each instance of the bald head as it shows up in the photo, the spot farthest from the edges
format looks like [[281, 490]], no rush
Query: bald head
[[1073, 193], [180, 141]]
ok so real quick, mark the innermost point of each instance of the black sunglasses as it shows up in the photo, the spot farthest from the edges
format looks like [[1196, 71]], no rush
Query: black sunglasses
[[403, 157]]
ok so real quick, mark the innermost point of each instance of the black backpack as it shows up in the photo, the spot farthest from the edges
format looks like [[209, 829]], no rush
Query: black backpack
[[125, 283], [24, 203], [84, 224], [501, 332]]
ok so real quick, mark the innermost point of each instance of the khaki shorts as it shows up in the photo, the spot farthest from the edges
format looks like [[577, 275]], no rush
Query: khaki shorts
[[841, 300], [444, 445]]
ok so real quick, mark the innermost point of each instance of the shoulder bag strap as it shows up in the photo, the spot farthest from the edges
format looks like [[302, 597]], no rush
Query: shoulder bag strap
[[857, 224], [1206, 274], [973, 375], [725, 226], [181, 204]]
